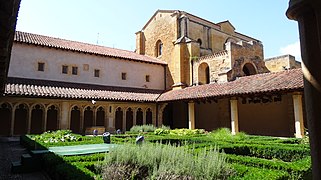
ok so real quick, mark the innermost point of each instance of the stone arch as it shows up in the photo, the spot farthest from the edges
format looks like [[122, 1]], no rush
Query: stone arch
[[118, 118], [159, 48], [149, 116], [5, 121], [20, 119], [203, 73], [167, 118], [88, 117], [100, 116], [52, 118], [37, 119], [75, 119], [129, 118], [139, 116], [249, 69]]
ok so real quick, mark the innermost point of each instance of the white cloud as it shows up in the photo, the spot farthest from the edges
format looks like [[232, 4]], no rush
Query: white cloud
[[292, 49]]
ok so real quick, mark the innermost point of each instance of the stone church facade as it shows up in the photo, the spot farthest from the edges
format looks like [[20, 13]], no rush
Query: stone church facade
[[187, 72]]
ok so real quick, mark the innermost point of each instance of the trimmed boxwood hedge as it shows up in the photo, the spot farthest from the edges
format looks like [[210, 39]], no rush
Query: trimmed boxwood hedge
[[252, 157]]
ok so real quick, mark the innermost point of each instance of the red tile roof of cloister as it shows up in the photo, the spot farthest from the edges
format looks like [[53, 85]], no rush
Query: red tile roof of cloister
[[285, 81], [55, 89], [51, 42]]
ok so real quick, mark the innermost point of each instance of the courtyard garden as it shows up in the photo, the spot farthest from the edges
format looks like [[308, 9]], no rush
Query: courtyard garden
[[175, 154]]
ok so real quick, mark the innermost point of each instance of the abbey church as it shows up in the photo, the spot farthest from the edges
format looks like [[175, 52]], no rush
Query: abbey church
[[186, 72]]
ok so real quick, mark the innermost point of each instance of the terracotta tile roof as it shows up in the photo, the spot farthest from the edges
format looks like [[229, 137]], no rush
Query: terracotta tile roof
[[285, 81], [55, 89], [279, 82], [40, 40]]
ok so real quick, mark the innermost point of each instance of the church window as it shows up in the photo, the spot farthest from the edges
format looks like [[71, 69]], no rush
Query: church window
[[159, 48], [147, 78], [41, 66], [96, 72], [123, 76], [64, 69], [74, 70]]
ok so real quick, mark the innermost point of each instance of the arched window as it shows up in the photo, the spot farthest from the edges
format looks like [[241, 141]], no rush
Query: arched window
[[159, 48], [139, 117], [88, 117], [5, 123], [249, 69], [75, 120], [52, 118], [20, 120], [119, 119], [100, 117], [149, 116], [129, 119], [36, 120], [203, 74]]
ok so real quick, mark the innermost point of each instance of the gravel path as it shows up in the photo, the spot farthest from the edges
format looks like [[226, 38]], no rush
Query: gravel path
[[11, 150]]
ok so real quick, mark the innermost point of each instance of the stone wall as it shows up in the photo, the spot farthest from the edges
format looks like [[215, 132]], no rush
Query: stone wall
[[25, 58], [185, 37], [281, 63], [227, 65]]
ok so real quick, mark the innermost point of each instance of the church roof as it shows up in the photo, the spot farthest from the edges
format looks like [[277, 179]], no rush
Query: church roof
[[51, 42], [260, 84], [267, 83], [56, 89]]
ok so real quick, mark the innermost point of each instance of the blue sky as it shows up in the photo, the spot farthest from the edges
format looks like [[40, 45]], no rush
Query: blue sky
[[114, 23]]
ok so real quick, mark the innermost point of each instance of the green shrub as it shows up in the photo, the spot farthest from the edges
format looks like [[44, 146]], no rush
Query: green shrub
[[226, 134], [57, 136], [160, 131], [58, 168], [156, 160], [250, 173], [146, 128], [186, 132]]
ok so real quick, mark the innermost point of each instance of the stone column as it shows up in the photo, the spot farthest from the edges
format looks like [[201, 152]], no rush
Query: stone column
[[191, 115], [13, 114], [234, 116], [134, 116], [160, 114], [144, 116], [308, 15], [154, 115], [45, 119], [94, 115], [124, 120], [110, 118], [298, 115], [64, 120], [29, 120]]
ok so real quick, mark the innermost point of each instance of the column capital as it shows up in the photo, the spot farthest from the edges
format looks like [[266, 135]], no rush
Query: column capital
[[298, 7], [297, 93]]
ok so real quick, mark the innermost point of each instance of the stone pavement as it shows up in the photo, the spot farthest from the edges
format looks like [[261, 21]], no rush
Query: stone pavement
[[11, 150]]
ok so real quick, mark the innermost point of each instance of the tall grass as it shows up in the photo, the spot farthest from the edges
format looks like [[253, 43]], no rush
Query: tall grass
[[157, 161]]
